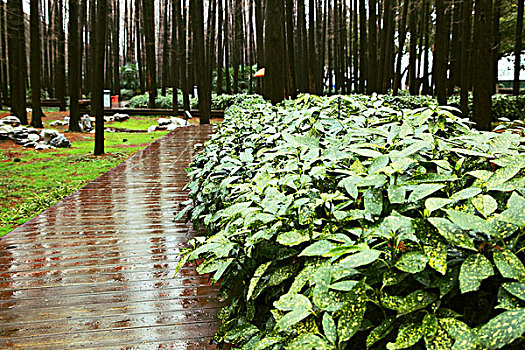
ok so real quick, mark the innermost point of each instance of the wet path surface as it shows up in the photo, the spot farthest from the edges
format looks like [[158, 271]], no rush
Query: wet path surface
[[96, 270]]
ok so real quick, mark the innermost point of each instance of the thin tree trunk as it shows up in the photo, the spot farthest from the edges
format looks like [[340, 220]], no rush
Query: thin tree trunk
[[220, 47], [36, 60], [440, 63], [482, 110], [496, 42], [3, 57], [138, 40], [425, 86], [466, 38], [175, 11], [151, 68], [518, 48], [290, 48], [116, 48], [74, 67], [274, 77], [16, 75], [227, 48], [197, 21], [362, 47], [259, 28], [412, 59], [98, 75], [61, 55], [165, 49], [372, 47], [402, 37]]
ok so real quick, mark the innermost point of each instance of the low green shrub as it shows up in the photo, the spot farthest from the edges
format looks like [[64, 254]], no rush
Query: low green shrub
[[345, 223]]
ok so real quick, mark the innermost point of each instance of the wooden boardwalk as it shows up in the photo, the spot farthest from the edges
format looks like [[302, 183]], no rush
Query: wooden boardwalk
[[96, 270]]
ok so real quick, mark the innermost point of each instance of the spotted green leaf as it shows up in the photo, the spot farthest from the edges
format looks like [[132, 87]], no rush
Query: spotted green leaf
[[289, 302], [429, 326], [267, 342], [423, 191], [291, 318], [256, 277], [471, 222], [380, 331], [474, 269], [329, 328], [516, 289], [441, 341], [464, 337], [352, 312], [343, 286], [485, 204], [437, 256], [414, 301], [466, 194], [412, 262], [364, 257], [500, 176], [452, 233], [373, 201], [294, 237], [318, 248], [435, 203], [515, 214], [502, 329], [509, 265], [397, 194], [407, 336], [308, 341]]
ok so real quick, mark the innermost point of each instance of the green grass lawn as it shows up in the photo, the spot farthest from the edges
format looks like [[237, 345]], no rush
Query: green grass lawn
[[31, 181]]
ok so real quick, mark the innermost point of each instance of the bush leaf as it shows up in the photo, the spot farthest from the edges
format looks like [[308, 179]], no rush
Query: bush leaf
[[474, 269]]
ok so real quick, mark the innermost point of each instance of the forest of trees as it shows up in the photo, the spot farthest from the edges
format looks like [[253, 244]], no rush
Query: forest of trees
[[78, 47]]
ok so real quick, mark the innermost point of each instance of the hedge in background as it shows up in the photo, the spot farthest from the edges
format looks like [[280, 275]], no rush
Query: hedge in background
[[344, 223]]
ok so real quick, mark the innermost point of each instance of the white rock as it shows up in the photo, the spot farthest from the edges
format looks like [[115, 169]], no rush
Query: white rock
[[152, 128], [172, 127], [48, 134], [179, 121], [10, 120], [33, 137], [163, 121], [42, 146]]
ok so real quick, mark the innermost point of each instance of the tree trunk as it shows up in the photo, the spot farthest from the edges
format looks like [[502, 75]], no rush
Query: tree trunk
[[362, 46], [165, 49], [482, 51], [98, 75], [36, 60], [311, 47], [412, 59], [496, 43], [149, 32], [259, 28], [199, 49], [116, 48], [290, 49], [466, 39], [220, 47], [74, 67], [425, 88], [518, 48], [138, 40], [61, 56], [441, 44], [3, 56], [227, 47], [16, 75], [402, 37], [372, 48], [355, 40], [274, 76], [175, 11]]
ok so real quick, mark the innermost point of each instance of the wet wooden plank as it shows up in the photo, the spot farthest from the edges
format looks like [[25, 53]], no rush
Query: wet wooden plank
[[96, 270]]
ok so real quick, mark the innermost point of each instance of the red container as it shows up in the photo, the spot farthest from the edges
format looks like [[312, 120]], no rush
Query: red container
[[114, 102]]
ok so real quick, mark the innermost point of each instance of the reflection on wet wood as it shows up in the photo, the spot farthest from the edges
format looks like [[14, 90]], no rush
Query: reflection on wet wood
[[95, 271]]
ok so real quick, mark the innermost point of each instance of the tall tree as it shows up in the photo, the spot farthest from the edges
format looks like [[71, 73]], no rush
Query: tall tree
[[466, 40], [203, 76], [220, 47], [175, 10], [412, 56], [518, 47], [441, 55], [3, 55], [35, 64], [402, 37], [98, 74], [149, 33], [312, 54], [60, 69], [482, 84], [74, 67], [15, 35], [290, 48], [372, 47], [362, 46], [274, 46]]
